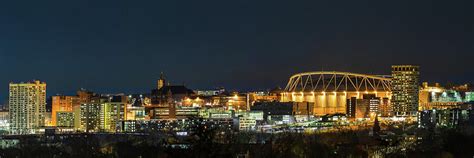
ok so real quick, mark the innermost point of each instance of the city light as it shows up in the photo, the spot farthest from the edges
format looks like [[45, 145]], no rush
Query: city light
[[237, 79]]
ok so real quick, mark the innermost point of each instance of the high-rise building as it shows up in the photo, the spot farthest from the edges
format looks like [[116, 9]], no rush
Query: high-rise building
[[62, 104], [84, 96], [405, 90], [102, 114], [90, 116], [112, 113], [27, 103]]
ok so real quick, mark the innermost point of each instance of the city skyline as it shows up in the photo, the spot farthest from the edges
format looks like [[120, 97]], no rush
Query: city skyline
[[120, 78], [123, 46], [119, 90]]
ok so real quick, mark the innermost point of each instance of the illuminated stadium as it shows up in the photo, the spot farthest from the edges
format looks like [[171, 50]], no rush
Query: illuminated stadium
[[329, 90]]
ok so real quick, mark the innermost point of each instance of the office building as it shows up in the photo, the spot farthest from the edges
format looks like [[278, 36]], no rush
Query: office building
[[405, 90], [27, 109]]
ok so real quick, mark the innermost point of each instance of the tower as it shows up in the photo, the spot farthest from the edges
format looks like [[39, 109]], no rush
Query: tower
[[161, 81], [405, 90]]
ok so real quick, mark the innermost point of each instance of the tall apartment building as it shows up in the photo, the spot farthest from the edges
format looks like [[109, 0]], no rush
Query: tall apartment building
[[405, 79], [65, 119], [90, 117], [84, 96], [112, 113], [111, 116], [102, 114], [62, 104], [27, 109]]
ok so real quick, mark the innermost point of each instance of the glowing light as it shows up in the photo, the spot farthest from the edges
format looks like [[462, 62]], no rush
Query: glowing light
[[324, 93]]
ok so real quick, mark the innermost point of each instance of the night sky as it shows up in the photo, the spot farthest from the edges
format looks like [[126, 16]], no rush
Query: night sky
[[122, 45]]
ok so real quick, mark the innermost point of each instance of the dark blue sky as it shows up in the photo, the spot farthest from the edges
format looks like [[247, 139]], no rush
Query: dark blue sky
[[122, 45]]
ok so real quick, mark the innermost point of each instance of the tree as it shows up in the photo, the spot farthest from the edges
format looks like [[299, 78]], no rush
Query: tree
[[376, 128]]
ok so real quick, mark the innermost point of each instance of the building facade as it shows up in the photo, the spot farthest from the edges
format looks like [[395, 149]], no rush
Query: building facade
[[27, 103], [443, 118], [4, 121], [90, 117], [65, 119], [62, 104], [405, 90], [111, 116]]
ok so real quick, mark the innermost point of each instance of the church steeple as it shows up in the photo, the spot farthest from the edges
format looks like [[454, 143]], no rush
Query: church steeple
[[161, 81]]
